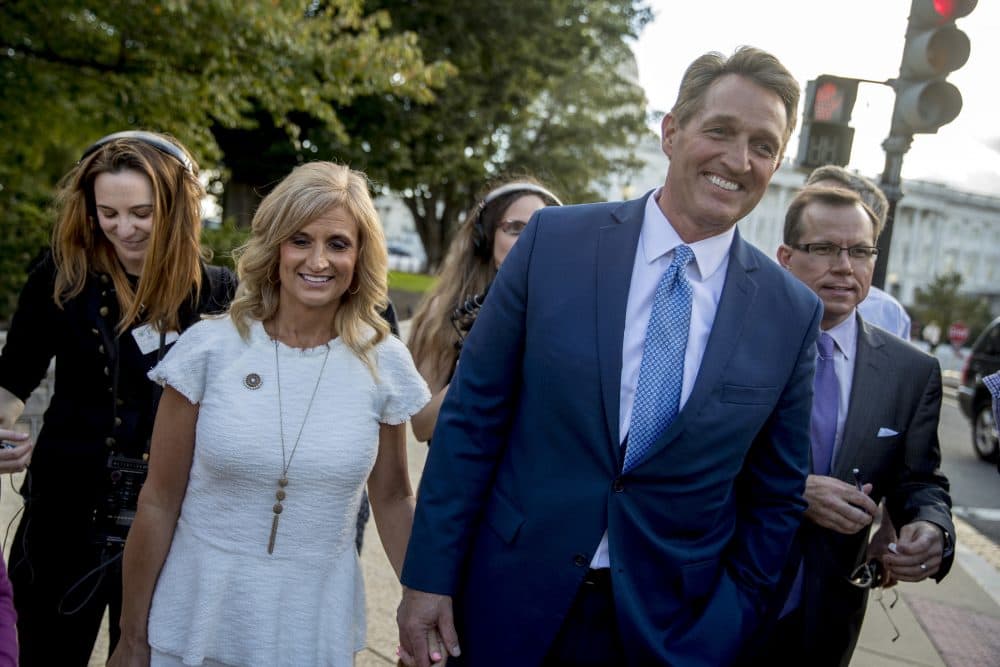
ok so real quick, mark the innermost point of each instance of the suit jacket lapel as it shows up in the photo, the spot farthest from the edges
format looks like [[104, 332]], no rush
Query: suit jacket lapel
[[735, 306], [860, 412], [617, 245]]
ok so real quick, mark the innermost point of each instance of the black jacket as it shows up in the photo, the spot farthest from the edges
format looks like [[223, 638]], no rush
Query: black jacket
[[89, 415]]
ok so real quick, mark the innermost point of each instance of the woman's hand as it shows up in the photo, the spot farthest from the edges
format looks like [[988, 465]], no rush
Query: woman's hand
[[15, 452], [130, 653]]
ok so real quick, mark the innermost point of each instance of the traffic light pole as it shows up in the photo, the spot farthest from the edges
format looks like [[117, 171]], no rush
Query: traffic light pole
[[895, 148], [934, 47]]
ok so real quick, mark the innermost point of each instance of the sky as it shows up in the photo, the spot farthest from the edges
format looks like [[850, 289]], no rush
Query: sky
[[852, 38]]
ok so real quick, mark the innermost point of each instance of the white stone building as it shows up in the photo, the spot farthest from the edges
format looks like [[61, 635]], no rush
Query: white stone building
[[937, 230]]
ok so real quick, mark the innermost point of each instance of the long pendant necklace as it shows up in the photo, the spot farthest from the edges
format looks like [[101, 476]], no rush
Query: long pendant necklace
[[286, 462]]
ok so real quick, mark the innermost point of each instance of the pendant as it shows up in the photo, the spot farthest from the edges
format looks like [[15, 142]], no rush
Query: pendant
[[277, 509]]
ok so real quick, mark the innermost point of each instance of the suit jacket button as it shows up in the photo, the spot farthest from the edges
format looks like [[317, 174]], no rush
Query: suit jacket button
[[618, 485], [580, 560]]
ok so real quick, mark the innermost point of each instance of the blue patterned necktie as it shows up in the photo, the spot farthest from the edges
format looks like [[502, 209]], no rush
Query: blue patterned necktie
[[661, 371], [826, 401]]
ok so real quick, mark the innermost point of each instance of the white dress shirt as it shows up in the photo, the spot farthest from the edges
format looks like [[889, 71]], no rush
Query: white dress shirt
[[882, 310], [707, 275]]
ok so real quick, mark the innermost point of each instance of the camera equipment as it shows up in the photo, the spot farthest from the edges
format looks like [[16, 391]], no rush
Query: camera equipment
[[116, 507], [465, 315]]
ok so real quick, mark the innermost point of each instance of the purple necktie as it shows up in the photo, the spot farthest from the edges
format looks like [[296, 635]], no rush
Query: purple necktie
[[823, 431], [826, 400]]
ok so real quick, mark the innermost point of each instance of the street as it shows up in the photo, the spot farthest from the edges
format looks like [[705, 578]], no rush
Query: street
[[975, 484]]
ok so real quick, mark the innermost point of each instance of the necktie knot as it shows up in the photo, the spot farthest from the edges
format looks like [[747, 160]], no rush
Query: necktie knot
[[682, 257], [825, 345]]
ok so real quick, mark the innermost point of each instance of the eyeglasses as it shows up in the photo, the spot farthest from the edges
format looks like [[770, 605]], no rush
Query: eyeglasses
[[512, 227], [832, 251], [870, 575]]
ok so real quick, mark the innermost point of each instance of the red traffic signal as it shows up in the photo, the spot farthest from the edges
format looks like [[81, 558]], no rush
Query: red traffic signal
[[942, 10], [934, 47], [826, 137], [832, 99]]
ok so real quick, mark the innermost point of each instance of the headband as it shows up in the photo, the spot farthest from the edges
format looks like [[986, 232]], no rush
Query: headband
[[519, 187], [154, 140]]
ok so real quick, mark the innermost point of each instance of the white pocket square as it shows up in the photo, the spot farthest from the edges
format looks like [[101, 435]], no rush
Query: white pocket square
[[886, 433]]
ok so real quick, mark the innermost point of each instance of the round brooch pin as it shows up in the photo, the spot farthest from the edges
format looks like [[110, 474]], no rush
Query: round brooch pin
[[252, 381]]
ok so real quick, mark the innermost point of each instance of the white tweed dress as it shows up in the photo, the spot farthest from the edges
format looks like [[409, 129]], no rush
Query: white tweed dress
[[220, 595]]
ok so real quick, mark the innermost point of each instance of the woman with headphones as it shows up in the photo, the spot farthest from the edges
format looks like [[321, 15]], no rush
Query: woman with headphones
[[125, 275], [448, 311]]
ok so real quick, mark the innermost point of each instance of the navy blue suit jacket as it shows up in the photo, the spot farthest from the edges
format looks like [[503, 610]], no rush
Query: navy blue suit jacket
[[524, 475]]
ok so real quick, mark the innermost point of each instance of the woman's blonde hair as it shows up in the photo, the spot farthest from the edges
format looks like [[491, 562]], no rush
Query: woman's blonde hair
[[171, 269], [467, 271], [310, 191]]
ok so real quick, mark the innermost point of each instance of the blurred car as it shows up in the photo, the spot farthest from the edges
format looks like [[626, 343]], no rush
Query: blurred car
[[952, 361], [974, 398], [401, 252], [401, 259]]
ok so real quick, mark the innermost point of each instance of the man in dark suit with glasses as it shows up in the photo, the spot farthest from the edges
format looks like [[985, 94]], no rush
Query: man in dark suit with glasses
[[873, 435]]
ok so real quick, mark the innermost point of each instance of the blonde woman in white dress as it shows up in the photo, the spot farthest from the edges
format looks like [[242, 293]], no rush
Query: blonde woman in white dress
[[272, 421]]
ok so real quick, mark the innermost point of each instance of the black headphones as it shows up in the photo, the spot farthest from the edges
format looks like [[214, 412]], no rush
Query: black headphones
[[481, 245], [154, 140]]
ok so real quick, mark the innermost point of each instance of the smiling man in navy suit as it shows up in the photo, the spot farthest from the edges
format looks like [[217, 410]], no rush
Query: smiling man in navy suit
[[618, 467]]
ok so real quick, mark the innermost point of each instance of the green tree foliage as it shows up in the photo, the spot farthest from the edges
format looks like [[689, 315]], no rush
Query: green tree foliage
[[72, 71], [943, 303], [543, 87]]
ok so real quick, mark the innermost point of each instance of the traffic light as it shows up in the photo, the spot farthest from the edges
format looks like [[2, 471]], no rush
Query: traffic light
[[934, 48], [826, 136]]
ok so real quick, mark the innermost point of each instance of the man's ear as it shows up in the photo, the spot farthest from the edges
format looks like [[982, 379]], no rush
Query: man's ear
[[668, 128], [783, 255]]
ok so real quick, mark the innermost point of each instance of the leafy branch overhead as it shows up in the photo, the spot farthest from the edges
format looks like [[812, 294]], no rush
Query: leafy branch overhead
[[72, 72], [182, 66], [543, 86]]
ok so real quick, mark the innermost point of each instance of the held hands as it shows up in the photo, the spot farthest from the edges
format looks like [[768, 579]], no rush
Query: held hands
[[426, 629], [16, 457], [838, 505], [917, 553]]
